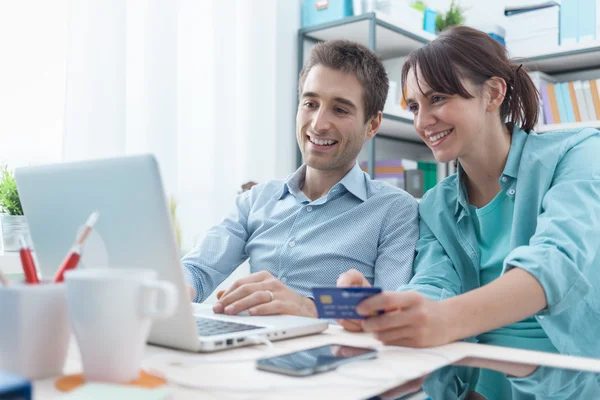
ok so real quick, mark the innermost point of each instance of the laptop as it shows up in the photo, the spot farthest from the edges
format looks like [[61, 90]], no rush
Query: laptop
[[134, 231]]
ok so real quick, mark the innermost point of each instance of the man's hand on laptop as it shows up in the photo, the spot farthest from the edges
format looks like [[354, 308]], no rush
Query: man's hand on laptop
[[191, 291], [263, 294], [352, 278]]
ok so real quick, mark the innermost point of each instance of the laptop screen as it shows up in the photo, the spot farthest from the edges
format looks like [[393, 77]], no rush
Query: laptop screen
[[478, 379]]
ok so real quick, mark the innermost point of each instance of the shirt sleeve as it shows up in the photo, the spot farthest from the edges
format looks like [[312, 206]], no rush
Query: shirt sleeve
[[557, 383], [435, 276], [221, 251], [566, 237], [396, 250]]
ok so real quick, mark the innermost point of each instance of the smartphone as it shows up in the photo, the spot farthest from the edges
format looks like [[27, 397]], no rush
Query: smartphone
[[315, 360]]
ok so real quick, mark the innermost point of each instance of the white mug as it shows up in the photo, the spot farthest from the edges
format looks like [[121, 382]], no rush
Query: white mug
[[34, 329], [111, 311]]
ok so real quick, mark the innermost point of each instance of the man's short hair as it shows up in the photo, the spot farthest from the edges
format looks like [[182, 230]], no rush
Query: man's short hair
[[356, 59]]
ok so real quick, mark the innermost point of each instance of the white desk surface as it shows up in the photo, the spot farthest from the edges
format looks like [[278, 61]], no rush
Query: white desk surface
[[241, 380]]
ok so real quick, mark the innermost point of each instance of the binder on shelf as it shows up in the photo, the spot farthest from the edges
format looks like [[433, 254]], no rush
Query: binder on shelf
[[413, 182], [429, 174], [564, 87], [582, 101], [574, 101], [548, 118], [595, 97], [589, 102], [540, 80], [562, 108], [553, 103]]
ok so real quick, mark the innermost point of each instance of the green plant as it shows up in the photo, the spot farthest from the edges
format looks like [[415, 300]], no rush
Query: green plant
[[9, 197], [419, 5], [454, 16]]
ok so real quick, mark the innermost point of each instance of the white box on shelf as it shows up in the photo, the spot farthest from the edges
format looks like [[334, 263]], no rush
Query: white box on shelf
[[530, 23], [521, 47], [401, 13]]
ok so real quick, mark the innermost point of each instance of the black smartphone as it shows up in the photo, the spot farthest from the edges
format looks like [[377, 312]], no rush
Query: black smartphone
[[315, 360]]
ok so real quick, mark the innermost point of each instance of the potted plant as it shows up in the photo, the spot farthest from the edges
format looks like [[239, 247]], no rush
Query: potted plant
[[12, 222], [175, 220], [454, 16]]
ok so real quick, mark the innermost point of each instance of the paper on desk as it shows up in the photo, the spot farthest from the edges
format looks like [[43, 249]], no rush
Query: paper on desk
[[100, 391], [239, 376]]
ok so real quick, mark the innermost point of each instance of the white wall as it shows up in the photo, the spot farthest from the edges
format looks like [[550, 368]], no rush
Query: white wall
[[33, 46], [259, 58]]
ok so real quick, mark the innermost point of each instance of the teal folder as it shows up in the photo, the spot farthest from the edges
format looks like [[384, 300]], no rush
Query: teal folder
[[568, 102], [568, 22], [562, 111], [587, 20]]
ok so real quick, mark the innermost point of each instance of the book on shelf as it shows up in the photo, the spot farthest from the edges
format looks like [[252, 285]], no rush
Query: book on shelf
[[400, 173], [576, 100]]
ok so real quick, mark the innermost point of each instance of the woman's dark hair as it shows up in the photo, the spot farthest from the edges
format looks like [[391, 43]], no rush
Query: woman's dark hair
[[462, 52]]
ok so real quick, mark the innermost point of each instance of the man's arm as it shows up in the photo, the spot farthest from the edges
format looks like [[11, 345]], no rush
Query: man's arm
[[396, 251], [221, 251]]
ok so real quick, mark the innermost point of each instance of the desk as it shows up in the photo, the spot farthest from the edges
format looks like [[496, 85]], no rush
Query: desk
[[358, 380]]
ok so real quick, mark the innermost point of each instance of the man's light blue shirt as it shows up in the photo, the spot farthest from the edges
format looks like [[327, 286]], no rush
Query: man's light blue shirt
[[360, 223], [553, 179]]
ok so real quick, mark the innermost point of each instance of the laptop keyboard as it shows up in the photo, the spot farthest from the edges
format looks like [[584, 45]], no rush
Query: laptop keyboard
[[212, 327]]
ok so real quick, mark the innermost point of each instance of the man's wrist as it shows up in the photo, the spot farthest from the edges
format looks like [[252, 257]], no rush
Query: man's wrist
[[310, 308]]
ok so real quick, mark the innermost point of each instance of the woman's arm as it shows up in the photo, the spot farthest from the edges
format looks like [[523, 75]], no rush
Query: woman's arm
[[509, 299], [413, 320]]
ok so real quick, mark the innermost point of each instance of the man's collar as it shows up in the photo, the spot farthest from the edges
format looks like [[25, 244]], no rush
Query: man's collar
[[353, 181], [293, 184]]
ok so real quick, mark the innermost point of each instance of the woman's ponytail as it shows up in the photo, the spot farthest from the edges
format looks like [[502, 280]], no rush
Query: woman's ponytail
[[521, 105]]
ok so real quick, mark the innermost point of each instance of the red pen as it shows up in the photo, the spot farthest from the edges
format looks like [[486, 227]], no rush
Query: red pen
[[74, 255], [27, 262]]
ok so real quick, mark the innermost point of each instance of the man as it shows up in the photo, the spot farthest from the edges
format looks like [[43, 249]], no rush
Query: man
[[326, 218]]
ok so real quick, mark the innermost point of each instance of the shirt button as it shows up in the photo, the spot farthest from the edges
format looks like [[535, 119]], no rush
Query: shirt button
[[504, 179], [511, 192], [283, 279], [292, 243], [541, 317], [309, 208]]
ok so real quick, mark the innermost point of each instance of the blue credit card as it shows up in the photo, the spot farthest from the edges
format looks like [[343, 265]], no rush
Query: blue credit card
[[340, 303]]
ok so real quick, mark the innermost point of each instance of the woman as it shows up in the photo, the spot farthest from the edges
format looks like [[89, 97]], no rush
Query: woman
[[508, 249]]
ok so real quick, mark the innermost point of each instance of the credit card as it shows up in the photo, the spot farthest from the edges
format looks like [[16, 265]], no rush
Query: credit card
[[340, 303]]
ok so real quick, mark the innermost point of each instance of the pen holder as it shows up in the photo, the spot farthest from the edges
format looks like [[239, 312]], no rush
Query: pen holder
[[34, 329]]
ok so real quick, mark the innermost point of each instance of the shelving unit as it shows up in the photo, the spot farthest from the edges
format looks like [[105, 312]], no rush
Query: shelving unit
[[398, 125], [559, 127], [564, 58], [379, 33]]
